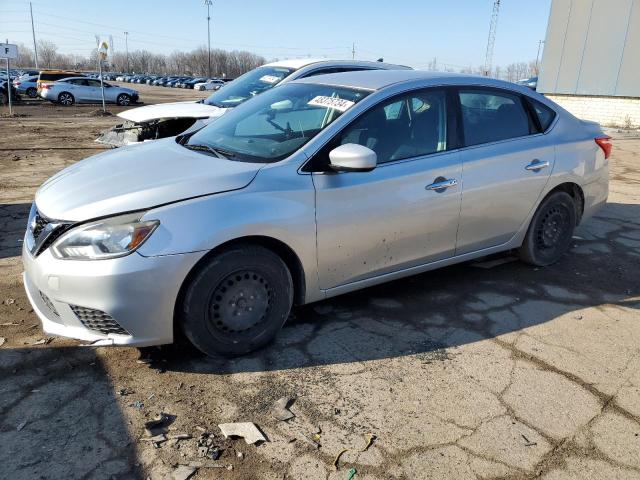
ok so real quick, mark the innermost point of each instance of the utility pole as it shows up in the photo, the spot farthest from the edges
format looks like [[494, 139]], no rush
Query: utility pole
[[540, 42], [493, 25], [33, 31], [126, 46], [353, 51], [208, 3]]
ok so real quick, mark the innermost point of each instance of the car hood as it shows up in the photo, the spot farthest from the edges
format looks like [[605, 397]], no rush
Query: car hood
[[171, 110], [138, 177]]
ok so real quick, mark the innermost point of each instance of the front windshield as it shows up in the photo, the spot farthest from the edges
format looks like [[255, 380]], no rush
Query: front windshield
[[248, 85], [277, 123]]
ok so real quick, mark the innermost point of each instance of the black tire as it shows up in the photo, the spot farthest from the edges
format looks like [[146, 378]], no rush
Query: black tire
[[3, 98], [237, 302], [123, 100], [32, 92], [66, 99], [550, 232]]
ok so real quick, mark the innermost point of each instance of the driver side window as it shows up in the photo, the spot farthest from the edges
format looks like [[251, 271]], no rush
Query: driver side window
[[409, 125]]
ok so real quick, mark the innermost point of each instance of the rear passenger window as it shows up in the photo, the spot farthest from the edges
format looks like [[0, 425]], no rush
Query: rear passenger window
[[492, 116], [545, 114]]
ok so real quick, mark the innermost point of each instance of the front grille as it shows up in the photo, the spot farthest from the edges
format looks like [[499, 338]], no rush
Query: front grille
[[44, 231], [47, 301], [98, 320], [39, 223]]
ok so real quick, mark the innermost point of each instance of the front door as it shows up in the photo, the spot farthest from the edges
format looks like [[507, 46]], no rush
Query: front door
[[403, 213]]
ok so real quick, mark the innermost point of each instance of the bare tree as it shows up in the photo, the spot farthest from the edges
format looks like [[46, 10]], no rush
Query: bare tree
[[223, 63], [47, 52]]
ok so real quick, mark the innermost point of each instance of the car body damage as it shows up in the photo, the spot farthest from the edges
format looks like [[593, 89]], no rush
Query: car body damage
[[163, 120], [152, 122]]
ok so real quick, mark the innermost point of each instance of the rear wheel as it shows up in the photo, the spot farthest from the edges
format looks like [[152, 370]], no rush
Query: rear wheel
[[32, 92], [237, 302], [550, 232], [66, 99], [123, 99], [3, 98]]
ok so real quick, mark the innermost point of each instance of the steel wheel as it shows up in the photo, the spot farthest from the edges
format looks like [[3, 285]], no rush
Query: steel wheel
[[551, 229], [236, 301], [123, 99], [66, 99], [240, 302]]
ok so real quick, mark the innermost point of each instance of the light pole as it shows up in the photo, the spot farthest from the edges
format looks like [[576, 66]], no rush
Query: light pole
[[126, 46], [540, 42], [33, 31], [208, 3]]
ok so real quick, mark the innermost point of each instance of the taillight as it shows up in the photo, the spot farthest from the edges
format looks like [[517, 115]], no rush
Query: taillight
[[605, 144], [45, 86], [17, 84]]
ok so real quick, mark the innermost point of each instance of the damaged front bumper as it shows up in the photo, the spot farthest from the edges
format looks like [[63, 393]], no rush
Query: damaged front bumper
[[132, 132]]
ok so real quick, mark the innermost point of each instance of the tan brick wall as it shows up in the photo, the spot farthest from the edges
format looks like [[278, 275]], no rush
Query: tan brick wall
[[608, 111]]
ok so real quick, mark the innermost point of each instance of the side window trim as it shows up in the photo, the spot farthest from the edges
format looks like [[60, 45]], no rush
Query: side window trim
[[453, 127], [530, 102]]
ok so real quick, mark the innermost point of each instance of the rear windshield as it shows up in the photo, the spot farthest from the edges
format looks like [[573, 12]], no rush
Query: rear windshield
[[57, 76]]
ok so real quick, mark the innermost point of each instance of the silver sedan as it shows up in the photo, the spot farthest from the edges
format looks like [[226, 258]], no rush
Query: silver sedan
[[317, 188], [86, 90]]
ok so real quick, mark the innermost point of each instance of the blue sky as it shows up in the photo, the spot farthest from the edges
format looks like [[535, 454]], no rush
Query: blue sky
[[412, 32]]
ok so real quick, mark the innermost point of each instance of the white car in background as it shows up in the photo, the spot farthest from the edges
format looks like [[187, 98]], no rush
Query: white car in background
[[86, 90], [211, 84], [152, 122]]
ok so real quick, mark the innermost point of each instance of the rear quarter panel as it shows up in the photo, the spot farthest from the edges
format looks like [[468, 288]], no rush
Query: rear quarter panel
[[580, 160]]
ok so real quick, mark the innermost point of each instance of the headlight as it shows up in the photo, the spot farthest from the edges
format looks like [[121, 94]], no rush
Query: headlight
[[108, 238]]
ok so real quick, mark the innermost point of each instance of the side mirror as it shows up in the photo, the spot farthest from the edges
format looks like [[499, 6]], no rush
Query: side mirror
[[352, 157]]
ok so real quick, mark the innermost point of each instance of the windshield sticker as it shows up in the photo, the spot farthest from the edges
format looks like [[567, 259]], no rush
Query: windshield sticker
[[339, 104], [269, 79]]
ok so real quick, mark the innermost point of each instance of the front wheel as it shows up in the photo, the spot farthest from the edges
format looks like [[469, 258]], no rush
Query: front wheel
[[123, 99], [550, 232], [237, 302], [66, 99]]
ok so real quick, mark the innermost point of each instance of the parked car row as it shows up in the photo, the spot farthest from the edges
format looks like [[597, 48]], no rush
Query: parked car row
[[175, 81]]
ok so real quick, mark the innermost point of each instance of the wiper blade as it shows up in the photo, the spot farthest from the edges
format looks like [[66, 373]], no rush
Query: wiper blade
[[199, 147]]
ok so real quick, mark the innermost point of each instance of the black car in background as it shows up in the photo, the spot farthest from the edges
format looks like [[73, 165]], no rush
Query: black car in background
[[4, 96]]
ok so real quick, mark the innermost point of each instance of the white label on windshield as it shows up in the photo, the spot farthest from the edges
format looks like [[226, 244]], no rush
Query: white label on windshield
[[339, 104], [269, 78]]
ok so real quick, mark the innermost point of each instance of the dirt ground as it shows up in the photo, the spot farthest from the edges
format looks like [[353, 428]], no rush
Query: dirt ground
[[482, 370]]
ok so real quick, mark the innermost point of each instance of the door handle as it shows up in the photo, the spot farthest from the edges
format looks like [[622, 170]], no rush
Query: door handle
[[536, 165], [441, 184]]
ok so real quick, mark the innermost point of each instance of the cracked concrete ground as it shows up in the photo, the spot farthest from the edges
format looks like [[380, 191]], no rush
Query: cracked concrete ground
[[508, 372]]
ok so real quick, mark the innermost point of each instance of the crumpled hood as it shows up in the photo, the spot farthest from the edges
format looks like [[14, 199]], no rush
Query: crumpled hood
[[171, 110], [138, 177]]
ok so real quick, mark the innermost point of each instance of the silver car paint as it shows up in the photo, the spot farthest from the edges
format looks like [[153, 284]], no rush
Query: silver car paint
[[84, 94], [130, 179], [368, 243]]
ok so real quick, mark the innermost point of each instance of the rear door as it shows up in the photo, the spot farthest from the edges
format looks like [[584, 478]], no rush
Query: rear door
[[506, 161], [394, 217]]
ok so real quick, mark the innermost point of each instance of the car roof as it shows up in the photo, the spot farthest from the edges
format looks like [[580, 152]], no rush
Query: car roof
[[378, 79], [298, 63]]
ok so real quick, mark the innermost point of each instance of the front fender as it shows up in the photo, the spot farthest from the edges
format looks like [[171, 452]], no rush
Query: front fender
[[275, 205]]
